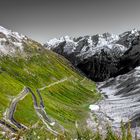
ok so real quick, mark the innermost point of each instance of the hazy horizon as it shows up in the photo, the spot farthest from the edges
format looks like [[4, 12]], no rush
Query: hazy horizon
[[42, 20]]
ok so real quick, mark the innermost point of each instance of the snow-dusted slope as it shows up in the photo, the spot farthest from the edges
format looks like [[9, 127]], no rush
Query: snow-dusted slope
[[10, 42], [121, 101], [84, 46], [89, 45]]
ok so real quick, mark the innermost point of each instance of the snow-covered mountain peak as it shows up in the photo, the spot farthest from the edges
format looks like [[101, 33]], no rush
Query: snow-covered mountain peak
[[133, 37], [102, 40], [5, 31], [86, 46], [53, 42], [10, 42], [66, 38], [9, 34], [106, 39], [135, 32]]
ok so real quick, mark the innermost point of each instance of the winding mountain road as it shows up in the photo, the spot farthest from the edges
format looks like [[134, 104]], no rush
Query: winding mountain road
[[8, 126], [10, 112], [55, 83], [40, 110]]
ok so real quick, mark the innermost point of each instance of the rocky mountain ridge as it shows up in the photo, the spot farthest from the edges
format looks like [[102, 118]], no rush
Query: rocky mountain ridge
[[100, 56]]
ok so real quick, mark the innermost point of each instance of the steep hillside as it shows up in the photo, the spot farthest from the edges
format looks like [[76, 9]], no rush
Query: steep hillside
[[37, 85]]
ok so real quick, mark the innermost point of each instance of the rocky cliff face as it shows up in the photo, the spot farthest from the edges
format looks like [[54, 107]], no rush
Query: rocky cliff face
[[100, 56]]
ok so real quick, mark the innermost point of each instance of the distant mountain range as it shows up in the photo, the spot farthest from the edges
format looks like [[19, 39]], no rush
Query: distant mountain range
[[100, 56]]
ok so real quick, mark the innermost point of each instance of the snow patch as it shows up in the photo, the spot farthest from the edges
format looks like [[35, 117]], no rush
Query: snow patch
[[137, 68], [5, 31], [90, 41], [135, 32], [94, 107], [9, 34], [107, 41], [53, 42]]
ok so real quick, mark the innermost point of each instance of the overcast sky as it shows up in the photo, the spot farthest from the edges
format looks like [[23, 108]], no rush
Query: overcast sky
[[45, 19]]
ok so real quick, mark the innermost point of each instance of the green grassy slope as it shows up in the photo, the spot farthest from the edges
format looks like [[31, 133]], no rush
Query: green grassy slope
[[66, 102]]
